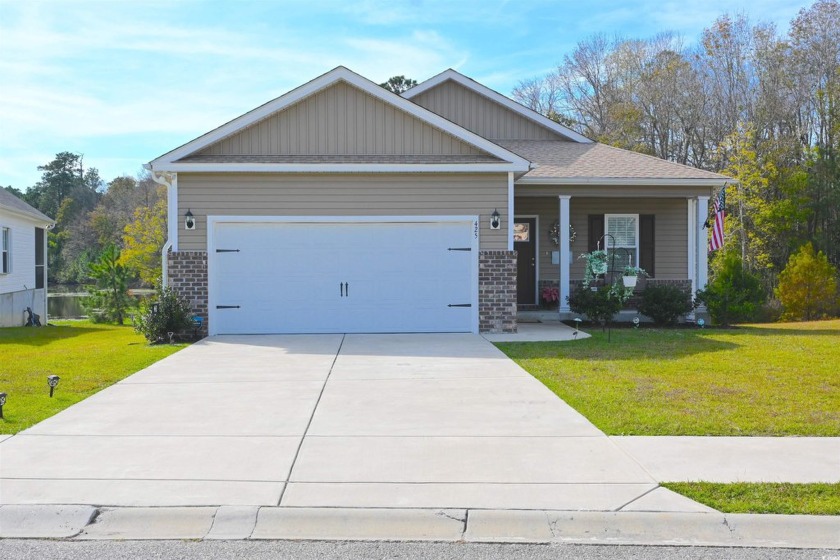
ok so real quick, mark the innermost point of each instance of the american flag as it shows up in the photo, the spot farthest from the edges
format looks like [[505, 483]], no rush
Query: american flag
[[716, 241]]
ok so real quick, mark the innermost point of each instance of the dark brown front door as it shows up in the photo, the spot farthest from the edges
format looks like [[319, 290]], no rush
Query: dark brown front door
[[525, 244]]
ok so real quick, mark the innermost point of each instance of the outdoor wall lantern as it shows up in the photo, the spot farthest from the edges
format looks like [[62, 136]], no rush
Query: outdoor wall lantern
[[495, 220], [189, 220], [52, 381], [2, 402]]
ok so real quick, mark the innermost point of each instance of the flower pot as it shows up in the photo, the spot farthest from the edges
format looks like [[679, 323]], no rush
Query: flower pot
[[599, 268], [630, 281]]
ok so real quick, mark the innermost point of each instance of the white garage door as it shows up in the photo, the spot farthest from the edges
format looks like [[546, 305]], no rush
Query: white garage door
[[343, 277]]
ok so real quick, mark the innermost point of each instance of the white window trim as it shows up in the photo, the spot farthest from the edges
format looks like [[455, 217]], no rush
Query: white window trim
[[6, 247], [607, 230]]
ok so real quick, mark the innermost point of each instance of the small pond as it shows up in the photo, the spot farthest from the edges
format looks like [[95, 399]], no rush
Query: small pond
[[65, 302]]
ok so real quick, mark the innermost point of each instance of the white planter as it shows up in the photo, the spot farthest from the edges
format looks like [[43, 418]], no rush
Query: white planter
[[630, 281]]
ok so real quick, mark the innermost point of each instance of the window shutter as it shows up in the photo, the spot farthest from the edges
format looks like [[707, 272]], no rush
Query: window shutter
[[596, 230], [647, 243]]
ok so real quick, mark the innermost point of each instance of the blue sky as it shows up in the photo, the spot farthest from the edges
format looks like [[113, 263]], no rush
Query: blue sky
[[123, 81]]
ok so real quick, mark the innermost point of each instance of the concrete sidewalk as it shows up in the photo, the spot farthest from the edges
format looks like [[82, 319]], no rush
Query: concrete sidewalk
[[446, 525]]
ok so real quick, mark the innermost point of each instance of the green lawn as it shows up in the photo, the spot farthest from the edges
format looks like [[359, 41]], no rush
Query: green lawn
[[87, 358], [781, 498], [754, 380]]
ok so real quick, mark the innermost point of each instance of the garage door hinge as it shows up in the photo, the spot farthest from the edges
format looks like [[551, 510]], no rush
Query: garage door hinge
[[227, 250], [227, 307], [460, 249], [459, 305]]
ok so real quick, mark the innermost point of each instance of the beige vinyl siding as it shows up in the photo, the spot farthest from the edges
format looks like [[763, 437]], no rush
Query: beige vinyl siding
[[481, 115], [264, 194], [341, 120], [671, 230]]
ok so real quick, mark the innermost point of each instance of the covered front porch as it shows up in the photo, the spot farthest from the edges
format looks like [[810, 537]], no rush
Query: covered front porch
[[657, 227]]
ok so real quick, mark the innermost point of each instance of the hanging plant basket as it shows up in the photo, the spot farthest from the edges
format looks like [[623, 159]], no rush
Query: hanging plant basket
[[597, 261], [630, 281]]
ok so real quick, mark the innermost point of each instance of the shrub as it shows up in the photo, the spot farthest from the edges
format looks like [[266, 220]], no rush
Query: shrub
[[664, 303], [807, 286], [600, 304], [734, 295], [173, 314], [109, 301]]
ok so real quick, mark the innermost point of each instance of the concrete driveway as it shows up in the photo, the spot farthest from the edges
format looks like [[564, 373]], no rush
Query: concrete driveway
[[426, 421]]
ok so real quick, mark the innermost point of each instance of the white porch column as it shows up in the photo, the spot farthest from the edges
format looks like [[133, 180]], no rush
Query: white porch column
[[692, 243], [565, 254], [702, 243]]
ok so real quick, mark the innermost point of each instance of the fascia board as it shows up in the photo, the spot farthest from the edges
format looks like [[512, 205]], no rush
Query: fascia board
[[48, 222], [339, 74], [498, 98], [341, 167], [630, 182]]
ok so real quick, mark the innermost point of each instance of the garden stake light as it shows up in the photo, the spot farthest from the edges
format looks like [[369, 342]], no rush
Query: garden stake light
[[635, 322], [577, 327], [701, 323], [2, 402], [52, 381]]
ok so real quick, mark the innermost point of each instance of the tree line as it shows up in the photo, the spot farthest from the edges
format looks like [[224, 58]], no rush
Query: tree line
[[747, 101], [124, 219]]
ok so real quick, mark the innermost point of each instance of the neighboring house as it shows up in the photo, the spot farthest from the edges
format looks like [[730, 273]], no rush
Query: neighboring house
[[23, 260], [342, 207]]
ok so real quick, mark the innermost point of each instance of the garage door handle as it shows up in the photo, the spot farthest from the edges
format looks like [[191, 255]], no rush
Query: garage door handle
[[227, 307], [459, 305], [459, 249], [344, 288]]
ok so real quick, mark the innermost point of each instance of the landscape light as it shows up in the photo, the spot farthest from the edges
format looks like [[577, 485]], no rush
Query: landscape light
[[52, 381], [701, 323], [636, 322], [2, 402]]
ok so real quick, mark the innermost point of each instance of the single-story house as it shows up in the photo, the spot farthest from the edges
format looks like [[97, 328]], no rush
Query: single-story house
[[23, 260], [343, 207]]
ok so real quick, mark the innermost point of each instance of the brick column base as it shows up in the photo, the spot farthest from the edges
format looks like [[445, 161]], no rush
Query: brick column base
[[188, 277], [497, 291]]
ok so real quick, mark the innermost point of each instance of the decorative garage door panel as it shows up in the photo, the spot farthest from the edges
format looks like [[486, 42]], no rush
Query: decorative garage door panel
[[293, 277]]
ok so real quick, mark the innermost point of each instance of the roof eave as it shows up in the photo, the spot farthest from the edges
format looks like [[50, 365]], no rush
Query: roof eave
[[343, 167], [628, 181], [41, 219]]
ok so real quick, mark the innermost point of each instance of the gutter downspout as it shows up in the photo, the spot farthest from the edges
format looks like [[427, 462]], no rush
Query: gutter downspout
[[164, 261]]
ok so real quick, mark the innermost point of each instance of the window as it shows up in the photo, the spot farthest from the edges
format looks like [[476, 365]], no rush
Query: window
[[625, 229], [5, 251], [40, 268]]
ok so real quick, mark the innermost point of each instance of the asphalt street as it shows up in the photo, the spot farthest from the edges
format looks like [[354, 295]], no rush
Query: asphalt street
[[298, 550]]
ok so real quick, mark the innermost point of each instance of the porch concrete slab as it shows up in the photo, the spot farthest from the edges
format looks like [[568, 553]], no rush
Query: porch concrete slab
[[424, 356], [511, 460], [43, 522], [662, 499], [445, 407], [360, 524], [233, 522], [243, 359], [575, 497], [257, 459], [150, 523], [137, 493], [548, 331], [736, 459], [186, 409]]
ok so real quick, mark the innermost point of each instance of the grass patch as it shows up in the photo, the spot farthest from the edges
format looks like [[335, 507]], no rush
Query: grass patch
[[763, 497], [755, 380], [88, 357]]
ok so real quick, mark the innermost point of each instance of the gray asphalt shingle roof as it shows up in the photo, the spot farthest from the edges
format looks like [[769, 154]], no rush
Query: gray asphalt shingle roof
[[572, 160], [13, 203]]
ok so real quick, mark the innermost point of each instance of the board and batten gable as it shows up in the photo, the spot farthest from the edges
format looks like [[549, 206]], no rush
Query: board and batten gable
[[351, 194], [480, 115], [340, 120]]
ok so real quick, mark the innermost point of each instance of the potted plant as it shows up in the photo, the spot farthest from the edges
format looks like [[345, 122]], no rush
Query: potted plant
[[631, 276], [550, 296]]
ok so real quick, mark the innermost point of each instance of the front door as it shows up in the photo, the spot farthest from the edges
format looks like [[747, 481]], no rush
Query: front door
[[525, 244]]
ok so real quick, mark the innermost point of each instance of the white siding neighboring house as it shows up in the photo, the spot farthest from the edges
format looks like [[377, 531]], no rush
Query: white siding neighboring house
[[23, 260]]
